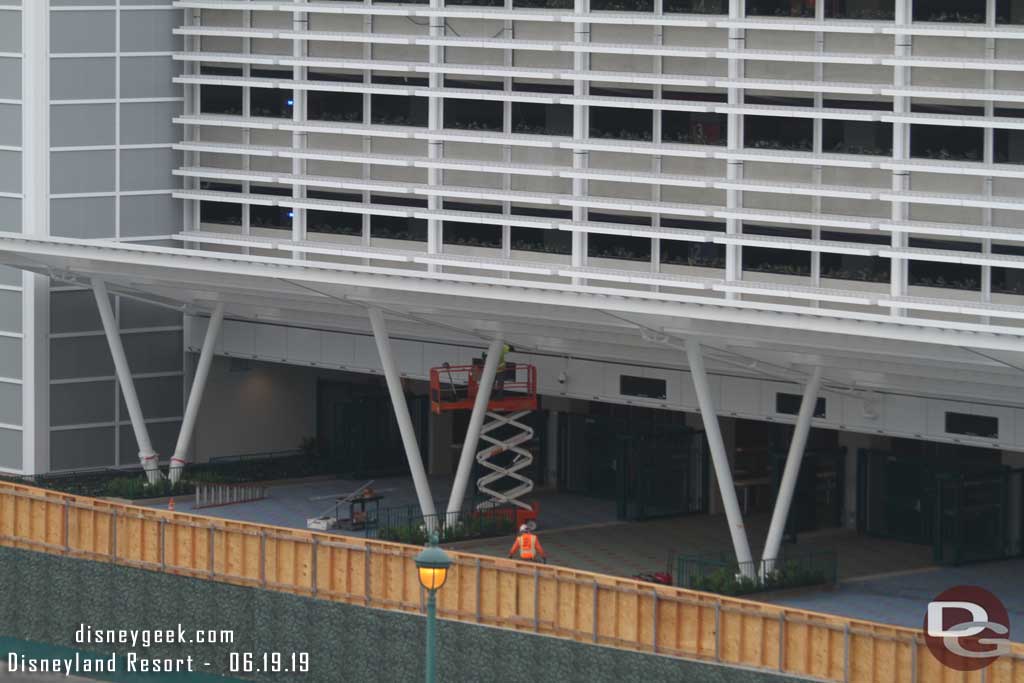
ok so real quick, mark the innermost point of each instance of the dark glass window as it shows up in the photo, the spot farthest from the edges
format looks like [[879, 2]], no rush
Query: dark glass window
[[972, 425], [334, 106], [542, 240], [399, 110], [618, 247], [780, 8], [789, 404], [472, 114], [545, 4], [221, 99], [621, 124], [1010, 11], [276, 217], [872, 10], [622, 5], [643, 387], [1009, 146], [778, 132], [398, 227], [697, 254], [271, 102], [541, 119], [450, 82], [695, 128], [869, 105], [334, 222], [225, 213], [948, 275], [478, 3], [772, 260], [697, 6], [946, 142], [856, 137], [1008, 280], [855, 266], [472, 234], [960, 11]]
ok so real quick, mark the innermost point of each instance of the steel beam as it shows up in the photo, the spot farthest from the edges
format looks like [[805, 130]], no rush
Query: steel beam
[[791, 472], [195, 396], [412, 447], [719, 459], [147, 455], [476, 421]]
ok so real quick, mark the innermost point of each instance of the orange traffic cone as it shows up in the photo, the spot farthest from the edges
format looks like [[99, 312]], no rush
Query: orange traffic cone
[[170, 504]]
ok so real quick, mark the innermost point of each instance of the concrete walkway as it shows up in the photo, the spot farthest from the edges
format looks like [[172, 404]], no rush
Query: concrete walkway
[[901, 599], [628, 548], [290, 504]]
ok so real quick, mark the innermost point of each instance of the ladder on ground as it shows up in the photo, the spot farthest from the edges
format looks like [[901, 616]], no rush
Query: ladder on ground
[[522, 458]]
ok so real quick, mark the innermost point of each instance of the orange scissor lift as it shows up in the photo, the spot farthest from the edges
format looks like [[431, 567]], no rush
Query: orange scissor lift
[[455, 387]]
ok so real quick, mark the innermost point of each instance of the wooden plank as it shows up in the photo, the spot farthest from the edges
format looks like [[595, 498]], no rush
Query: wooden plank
[[505, 593]]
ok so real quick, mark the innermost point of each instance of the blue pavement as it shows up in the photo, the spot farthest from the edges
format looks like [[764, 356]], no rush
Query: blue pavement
[[902, 599]]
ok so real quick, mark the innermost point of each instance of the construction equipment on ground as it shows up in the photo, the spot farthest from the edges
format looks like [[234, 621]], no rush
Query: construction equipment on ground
[[455, 387]]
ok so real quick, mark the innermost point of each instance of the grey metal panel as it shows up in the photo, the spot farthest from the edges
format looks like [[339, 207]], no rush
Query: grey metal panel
[[137, 314], [10, 124], [10, 357], [75, 449], [10, 448], [90, 3], [10, 214], [90, 171], [82, 125], [149, 169], [157, 214], [10, 403], [150, 31], [10, 32], [80, 357], [10, 171], [81, 403], [10, 276], [150, 122], [10, 78], [83, 78], [82, 217], [82, 32], [163, 435], [159, 396], [149, 77], [74, 311], [10, 311], [153, 351]]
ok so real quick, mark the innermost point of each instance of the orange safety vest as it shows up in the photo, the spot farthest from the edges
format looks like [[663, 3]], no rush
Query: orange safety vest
[[527, 546]]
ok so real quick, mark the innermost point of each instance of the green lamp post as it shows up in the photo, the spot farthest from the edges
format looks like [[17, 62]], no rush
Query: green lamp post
[[432, 565]]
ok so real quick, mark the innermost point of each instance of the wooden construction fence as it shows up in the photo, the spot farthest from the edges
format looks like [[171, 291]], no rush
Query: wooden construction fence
[[543, 599]]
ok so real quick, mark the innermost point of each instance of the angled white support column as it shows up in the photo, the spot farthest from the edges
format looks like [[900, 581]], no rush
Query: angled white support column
[[794, 459], [412, 448], [147, 455], [476, 422], [195, 396], [719, 459]]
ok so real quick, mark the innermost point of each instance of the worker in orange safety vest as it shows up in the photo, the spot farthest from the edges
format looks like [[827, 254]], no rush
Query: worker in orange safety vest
[[528, 546]]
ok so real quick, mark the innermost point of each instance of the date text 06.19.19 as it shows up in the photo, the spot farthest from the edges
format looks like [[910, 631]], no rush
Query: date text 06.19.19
[[268, 662]]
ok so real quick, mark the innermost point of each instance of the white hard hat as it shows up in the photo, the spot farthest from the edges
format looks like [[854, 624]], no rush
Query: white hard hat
[[523, 529]]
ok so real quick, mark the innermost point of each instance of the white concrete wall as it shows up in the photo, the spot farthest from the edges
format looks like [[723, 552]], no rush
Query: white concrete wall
[[268, 407], [896, 412]]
